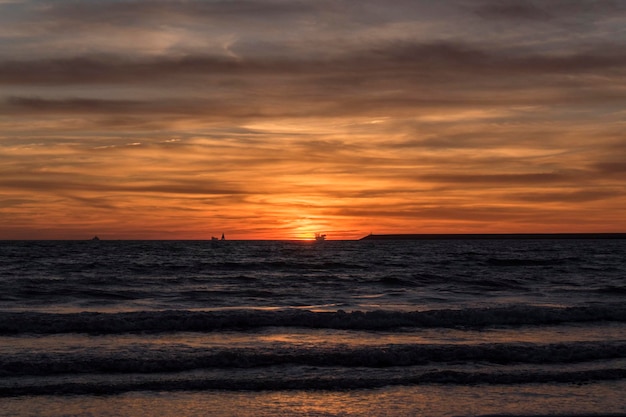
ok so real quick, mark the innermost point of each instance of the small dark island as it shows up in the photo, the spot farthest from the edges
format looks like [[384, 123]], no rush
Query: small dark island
[[471, 236]]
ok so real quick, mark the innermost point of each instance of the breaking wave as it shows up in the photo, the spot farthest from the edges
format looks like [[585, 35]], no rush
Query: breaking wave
[[206, 321]]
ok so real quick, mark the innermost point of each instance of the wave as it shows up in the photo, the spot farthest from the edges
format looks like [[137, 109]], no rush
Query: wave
[[139, 359], [253, 265], [109, 385], [206, 321], [532, 261]]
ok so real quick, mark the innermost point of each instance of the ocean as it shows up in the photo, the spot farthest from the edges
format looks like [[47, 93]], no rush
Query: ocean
[[453, 327]]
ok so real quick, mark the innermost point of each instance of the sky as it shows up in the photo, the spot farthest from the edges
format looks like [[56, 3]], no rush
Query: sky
[[277, 119]]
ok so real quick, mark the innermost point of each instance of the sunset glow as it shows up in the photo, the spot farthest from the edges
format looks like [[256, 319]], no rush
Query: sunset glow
[[279, 119]]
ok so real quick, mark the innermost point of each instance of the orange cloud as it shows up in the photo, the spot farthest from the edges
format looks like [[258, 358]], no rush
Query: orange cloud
[[361, 120]]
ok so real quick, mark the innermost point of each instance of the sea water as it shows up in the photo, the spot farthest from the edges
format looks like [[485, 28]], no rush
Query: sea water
[[293, 328]]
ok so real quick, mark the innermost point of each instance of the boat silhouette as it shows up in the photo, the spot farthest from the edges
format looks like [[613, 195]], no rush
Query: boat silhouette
[[215, 239]]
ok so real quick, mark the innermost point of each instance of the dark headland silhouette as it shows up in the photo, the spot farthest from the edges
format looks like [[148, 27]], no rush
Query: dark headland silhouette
[[472, 236]]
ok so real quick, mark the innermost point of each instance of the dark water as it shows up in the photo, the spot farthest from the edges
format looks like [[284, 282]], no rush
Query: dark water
[[535, 324]]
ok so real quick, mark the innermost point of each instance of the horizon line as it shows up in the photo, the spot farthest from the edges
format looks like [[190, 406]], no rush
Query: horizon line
[[383, 236]]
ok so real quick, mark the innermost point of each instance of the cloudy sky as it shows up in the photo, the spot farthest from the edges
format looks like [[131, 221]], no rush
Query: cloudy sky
[[182, 119]]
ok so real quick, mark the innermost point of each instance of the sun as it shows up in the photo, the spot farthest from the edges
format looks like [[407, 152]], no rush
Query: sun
[[306, 228], [306, 234]]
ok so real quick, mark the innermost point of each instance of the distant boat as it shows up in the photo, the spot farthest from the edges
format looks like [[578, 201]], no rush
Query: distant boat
[[95, 238], [320, 237], [223, 238], [215, 239]]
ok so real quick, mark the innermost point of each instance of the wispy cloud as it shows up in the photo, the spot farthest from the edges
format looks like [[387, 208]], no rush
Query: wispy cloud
[[276, 119]]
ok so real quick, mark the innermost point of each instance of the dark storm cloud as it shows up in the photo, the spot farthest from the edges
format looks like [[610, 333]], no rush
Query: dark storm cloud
[[396, 60], [330, 14], [548, 10], [516, 10], [500, 179], [141, 113], [100, 69], [611, 168], [131, 12], [94, 184], [487, 213], [32, 105], [581, 196], [162, 107], [406, 78]]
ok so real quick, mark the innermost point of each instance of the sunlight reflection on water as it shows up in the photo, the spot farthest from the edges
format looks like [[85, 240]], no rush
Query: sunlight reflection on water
[[330, 338], [535, 399]]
